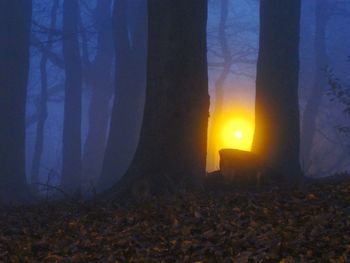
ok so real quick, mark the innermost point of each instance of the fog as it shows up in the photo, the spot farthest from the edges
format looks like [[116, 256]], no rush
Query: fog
[[174, 131], [328, 152], [113, 83]]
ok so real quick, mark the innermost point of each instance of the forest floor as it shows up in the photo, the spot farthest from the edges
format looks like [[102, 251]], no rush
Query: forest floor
[[298, 224]]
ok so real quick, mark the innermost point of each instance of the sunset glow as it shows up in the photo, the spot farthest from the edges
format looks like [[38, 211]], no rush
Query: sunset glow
[[237, 134], [234, 129]]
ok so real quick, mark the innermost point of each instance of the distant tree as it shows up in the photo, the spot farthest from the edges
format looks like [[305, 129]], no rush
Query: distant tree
[[277, 135], [340, 93], [322, 16], [219, 83], [325, 12], [43, 100], [71, 166], [227, 56], [97, 73], [172, 148], [230, 55], [15, 24], [130, 33], [99, 76]]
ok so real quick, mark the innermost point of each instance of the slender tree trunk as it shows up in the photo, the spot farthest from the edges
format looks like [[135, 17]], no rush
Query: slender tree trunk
[[71, 166], [100, 79], [320, 81], [40, 128], [277, 135], [130, 84], [219, 84], [15, 25], [172, 150]]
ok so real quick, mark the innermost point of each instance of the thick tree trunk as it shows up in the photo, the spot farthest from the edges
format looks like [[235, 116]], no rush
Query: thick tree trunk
[[277, 135], [130, 90], [71, 166], [100, 78], [172, 150], [15, 24], [40, 128], [320, 82]]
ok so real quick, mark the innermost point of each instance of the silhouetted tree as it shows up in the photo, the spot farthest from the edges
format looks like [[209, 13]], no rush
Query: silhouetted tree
[[15, 24], [131, 57], [172, 149], [71, 166], [277, 135]]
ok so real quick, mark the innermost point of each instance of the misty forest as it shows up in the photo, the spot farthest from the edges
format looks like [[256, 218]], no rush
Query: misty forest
[[175, 131]]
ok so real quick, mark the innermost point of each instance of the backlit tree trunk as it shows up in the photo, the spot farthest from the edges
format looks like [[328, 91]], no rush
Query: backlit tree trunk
[[15, 25], [277, 135], [71, 166], [171, 153]]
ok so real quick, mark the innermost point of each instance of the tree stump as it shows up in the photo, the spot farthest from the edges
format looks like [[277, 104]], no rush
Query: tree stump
[[241, 166]]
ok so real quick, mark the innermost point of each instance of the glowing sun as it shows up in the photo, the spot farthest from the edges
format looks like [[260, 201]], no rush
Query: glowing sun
[[231, 129], [237, 134]]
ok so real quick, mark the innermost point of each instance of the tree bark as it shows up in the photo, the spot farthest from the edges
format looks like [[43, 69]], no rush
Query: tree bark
[[40, 128], [71, 166], [15, 25], [277, 135], [319, 83], [171, 153], [130, 86], [101, 82]]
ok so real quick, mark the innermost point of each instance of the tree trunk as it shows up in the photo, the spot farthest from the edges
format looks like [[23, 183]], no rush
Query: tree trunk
[[171, 153], [15, 26], [130, 90], [40, 128], [100, 78], [320, 82], [71, 166], [277, 135]]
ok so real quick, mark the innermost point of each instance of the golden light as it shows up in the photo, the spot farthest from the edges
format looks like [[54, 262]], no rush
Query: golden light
[[237, 134], [233, 129]]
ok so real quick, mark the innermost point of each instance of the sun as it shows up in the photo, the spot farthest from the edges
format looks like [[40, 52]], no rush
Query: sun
[[238, 134], [233, 128]]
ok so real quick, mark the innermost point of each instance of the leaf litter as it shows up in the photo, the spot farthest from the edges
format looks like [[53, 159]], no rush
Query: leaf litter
[[298, 224]]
